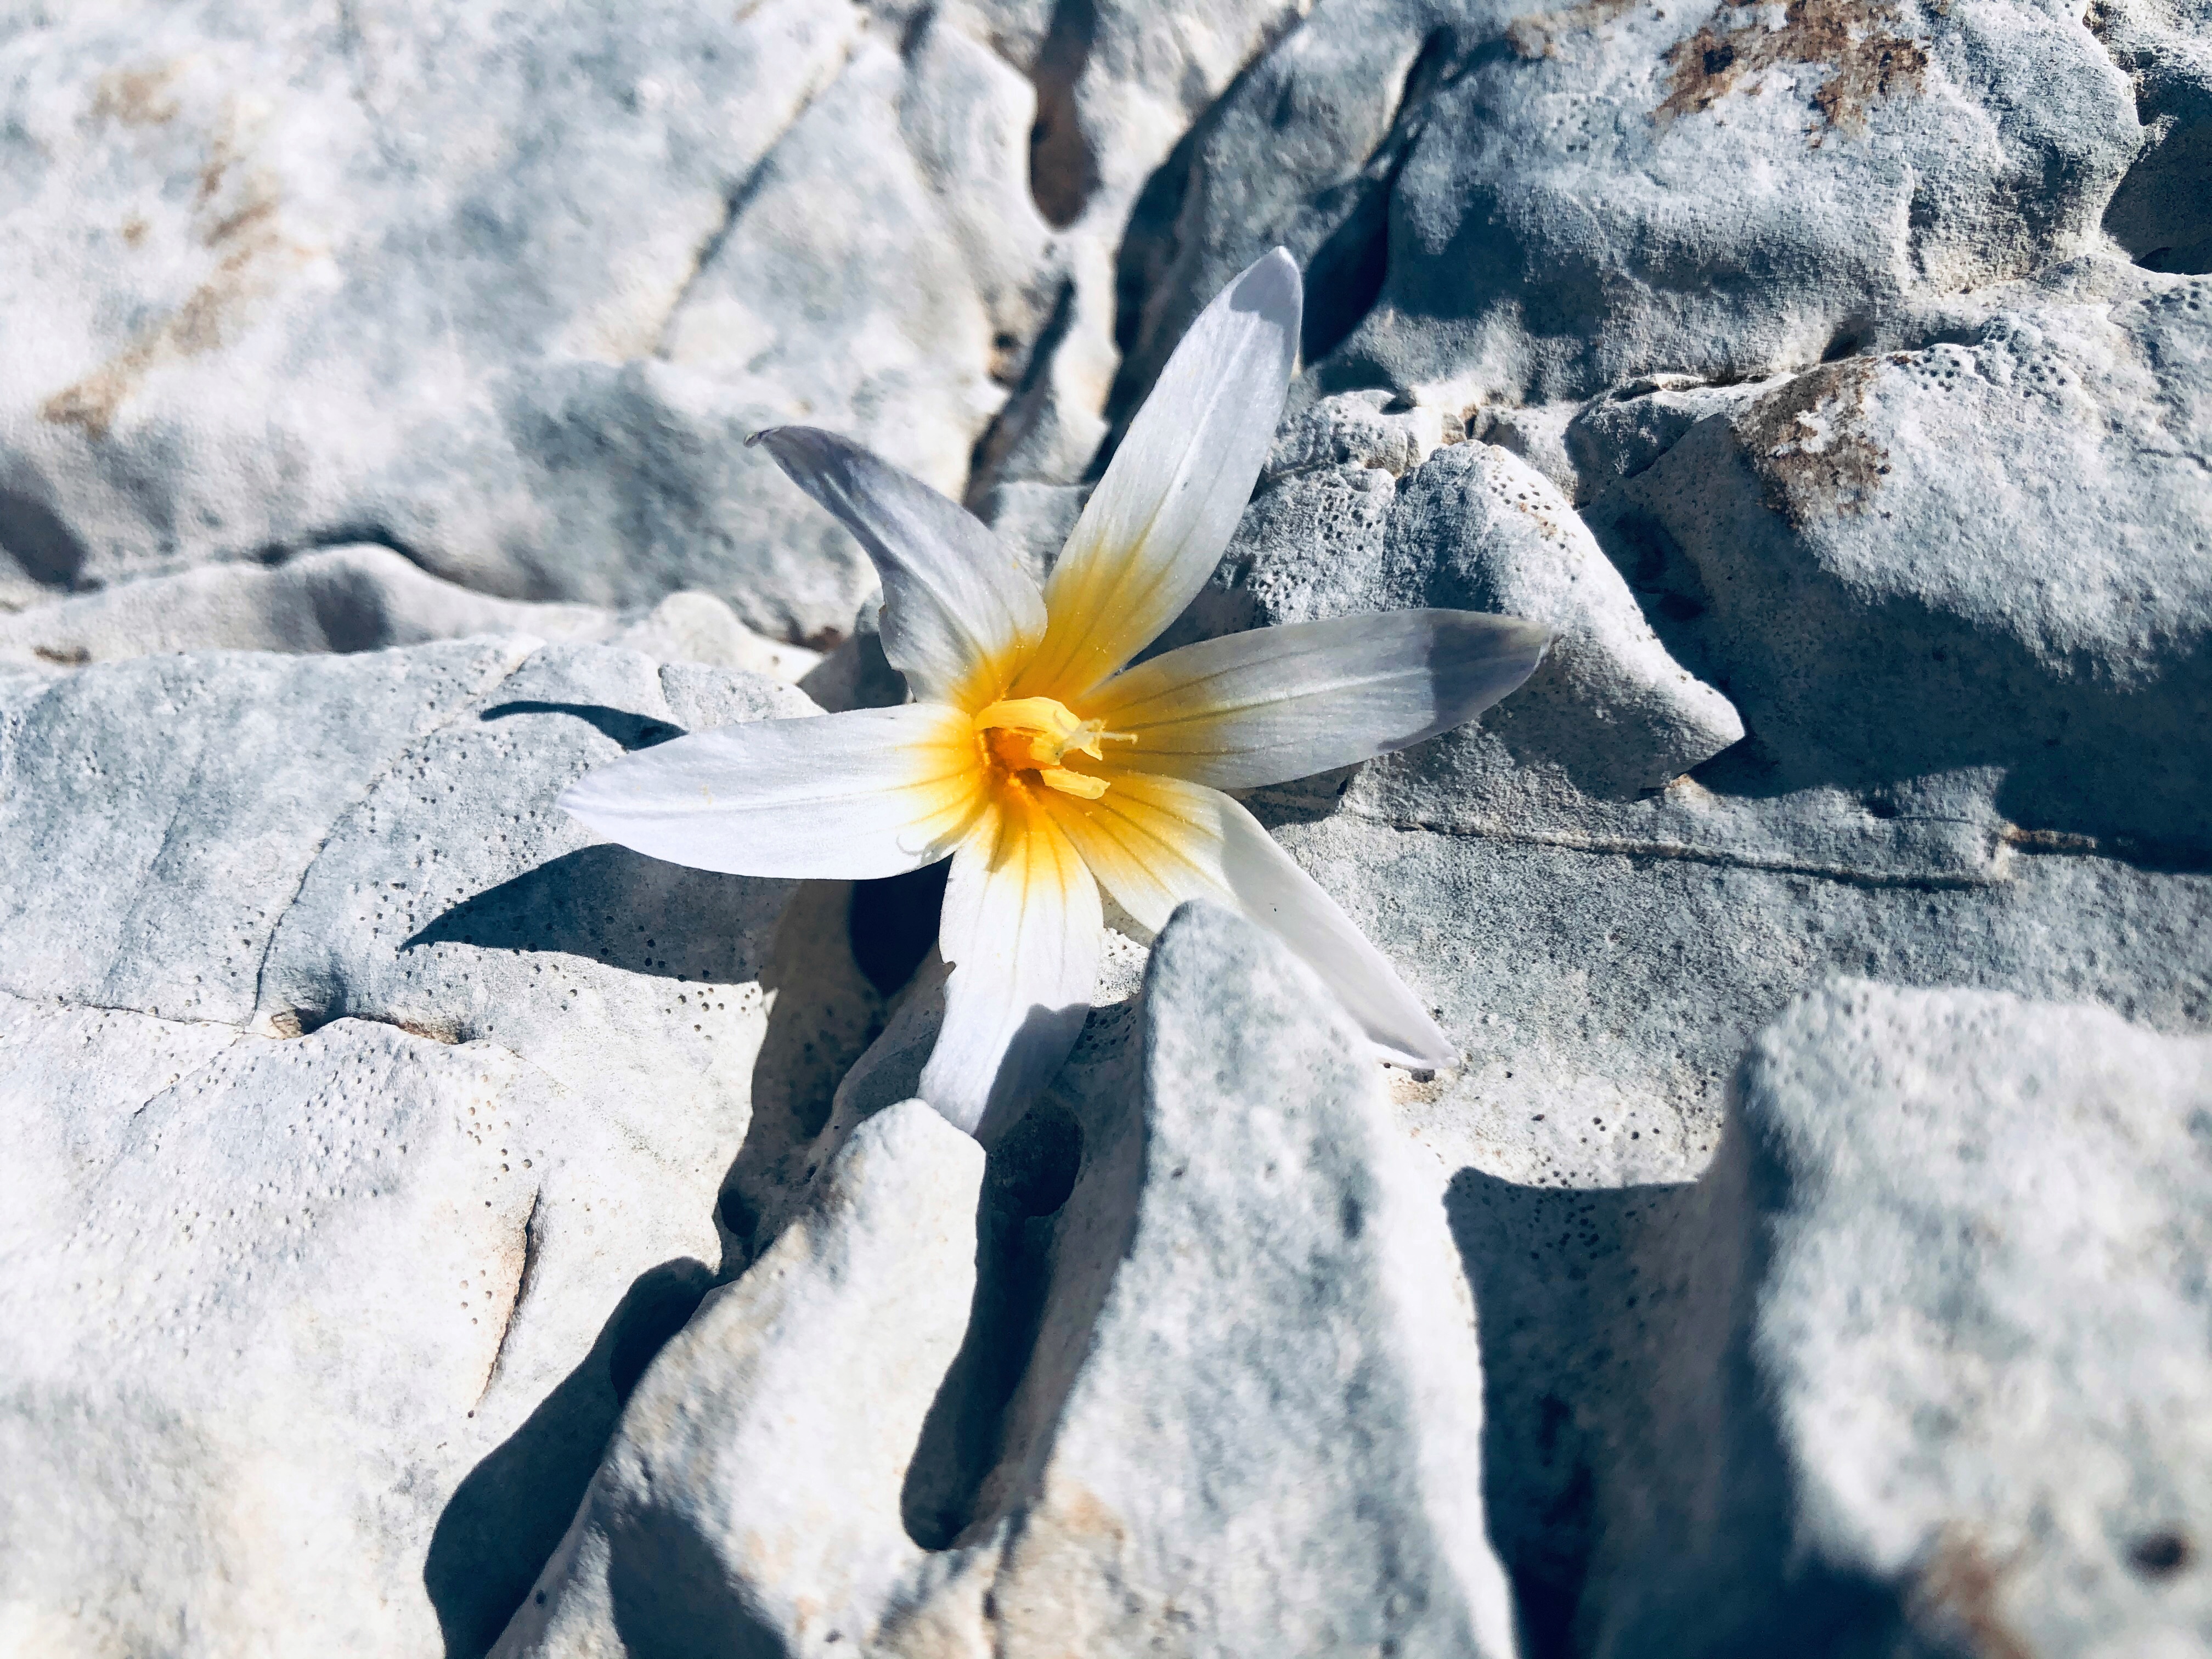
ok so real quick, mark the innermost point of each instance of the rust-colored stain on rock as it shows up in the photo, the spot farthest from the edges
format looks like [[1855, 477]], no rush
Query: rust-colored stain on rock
[[136, 98], [1868, 58], [1538, 34], [1954, 1598], [1807, 442], [239, 210]]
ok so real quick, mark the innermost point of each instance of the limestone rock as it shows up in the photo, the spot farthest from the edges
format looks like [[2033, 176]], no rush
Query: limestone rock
[[1984, 553], [1482, 531], [2159, 212], [1245, 1411], [1963, 1402], [1335, 530], [370, 1126], [764, 1451], [359, 598], [509, 289], [1286, 1317], [1361, 429], [1502, 206], [1119, 85]]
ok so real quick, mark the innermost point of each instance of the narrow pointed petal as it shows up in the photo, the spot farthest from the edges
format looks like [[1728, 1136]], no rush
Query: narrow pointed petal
[[1021, 929], [1154, 528], [877, 791], [959, 610], [1155, 841], [1286, 702]]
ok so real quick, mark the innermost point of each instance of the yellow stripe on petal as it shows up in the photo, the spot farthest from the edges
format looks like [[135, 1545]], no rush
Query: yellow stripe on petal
[[1153, 529], [1021, 929], [1278, 703], [1154, 842]]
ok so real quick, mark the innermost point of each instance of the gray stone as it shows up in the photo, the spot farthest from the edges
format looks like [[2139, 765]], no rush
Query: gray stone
[[1036, 518], [359, 598], [1602, 962], [268, 1306], [508, 290], [1118, 85], [857, 674], [749, 1501], [1361, 429], [1605, 998], [1335, 530], [370, 1128], [1498, 206], [1984, 554], [1241, 1412], [1479, 530], [1961, 1400], [2158, 213]]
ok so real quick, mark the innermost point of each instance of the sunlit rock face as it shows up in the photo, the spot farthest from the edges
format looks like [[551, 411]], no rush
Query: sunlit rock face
[[503, 289], [369, 1128], [1248, 1409], [426, 1231]]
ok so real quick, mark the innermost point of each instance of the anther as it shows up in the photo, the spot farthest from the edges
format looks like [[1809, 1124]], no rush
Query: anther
[[1035, 734]]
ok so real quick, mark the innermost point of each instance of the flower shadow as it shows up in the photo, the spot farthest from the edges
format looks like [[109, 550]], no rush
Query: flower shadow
[[633, 732], [584, 902]]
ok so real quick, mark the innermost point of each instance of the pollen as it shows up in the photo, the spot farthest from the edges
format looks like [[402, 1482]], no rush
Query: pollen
[[1034, 735]]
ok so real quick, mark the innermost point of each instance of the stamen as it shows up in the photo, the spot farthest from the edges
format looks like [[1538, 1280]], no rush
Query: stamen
[[1072, 783], [1035, 734]]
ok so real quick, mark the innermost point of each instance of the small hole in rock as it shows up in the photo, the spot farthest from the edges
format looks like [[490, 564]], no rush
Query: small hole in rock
[[2160, 1554]]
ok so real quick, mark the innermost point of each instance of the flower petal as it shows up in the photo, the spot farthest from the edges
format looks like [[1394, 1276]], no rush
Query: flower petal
[[1154, 528], [959, 610], [873, 793], [1021, 929], [1286, 702], [1155, 841]]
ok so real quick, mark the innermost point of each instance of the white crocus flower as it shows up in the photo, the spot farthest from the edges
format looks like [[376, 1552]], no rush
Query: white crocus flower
[[1039, 762]]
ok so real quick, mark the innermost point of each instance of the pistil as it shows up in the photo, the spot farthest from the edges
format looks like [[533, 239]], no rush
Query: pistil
[[1035, 734]]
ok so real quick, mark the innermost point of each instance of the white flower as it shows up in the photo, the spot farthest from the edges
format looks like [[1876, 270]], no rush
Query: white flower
[[1041, 763]]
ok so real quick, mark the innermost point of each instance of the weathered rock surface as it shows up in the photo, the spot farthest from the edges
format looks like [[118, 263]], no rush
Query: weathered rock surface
[[1893, 599], [1500, 205], [2159, 212], [1603, 959], [369, 1128], [1960, 1405], [1119, 84], [507, 288], [360, 598], [1248, 1419], [1783, 357], [751, 1501]]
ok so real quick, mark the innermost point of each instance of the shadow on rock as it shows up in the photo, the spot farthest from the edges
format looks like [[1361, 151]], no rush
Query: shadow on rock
[[504, 1520], [608, 904], [672, 1597], [825, 1012], [1559, 1277], [45, 548], [1031, 1171], [1633, 1471], [632, 732]]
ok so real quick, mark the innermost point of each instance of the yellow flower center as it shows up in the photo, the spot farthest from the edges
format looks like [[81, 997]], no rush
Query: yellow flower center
[[1035, 734]]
